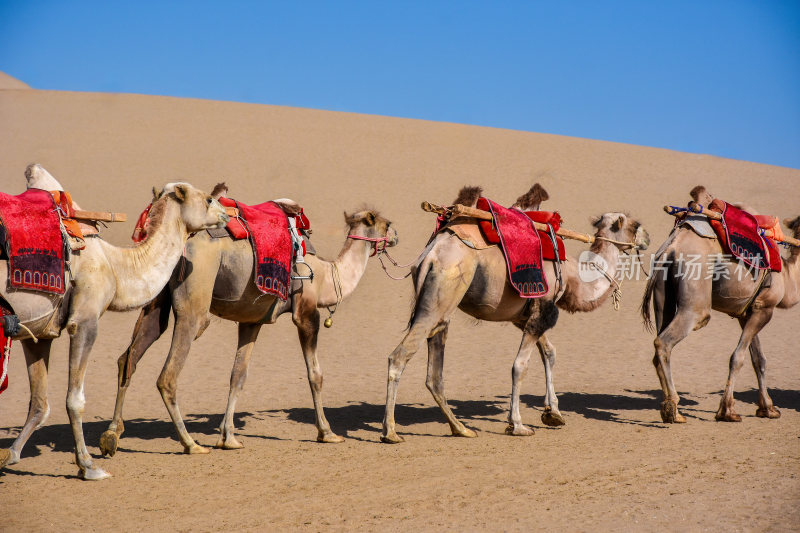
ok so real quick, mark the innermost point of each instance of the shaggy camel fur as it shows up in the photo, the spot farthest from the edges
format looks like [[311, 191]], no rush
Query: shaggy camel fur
[[683, 303], [451, 274], [221, 281], [104, 277]]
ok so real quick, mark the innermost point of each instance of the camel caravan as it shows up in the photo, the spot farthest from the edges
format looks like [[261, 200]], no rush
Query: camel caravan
[[197, 255]]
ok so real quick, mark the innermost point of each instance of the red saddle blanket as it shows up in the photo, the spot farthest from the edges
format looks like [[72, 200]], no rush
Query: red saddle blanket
[[33, 241], [267, 227], [739, 235], [544, 217], [521, 245]]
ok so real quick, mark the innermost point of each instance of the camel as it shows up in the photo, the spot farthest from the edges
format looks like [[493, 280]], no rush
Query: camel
[[452, 274], [221, 282], [682, 304], [104, 277]]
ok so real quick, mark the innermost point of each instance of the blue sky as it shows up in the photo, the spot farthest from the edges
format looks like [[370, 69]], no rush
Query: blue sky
[[717, 77]]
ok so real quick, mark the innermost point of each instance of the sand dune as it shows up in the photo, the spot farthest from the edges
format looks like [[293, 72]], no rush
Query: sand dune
[[614, 465]]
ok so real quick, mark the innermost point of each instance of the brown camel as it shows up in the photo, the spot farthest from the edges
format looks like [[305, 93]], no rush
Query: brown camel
[[683, 303], [452, 274], [104, 277], [221, 281]]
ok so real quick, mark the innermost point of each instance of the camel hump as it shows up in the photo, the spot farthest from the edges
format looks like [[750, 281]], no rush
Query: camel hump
[[290, 207], [531, 200], [700, 195], [38, 178], [468, 195], [220, 189]]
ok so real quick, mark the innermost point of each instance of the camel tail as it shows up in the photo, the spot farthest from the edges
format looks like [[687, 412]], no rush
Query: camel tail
[[420, 278], [646, 301]]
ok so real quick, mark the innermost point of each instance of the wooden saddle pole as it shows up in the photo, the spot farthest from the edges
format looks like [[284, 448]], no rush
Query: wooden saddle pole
[[459, 210]]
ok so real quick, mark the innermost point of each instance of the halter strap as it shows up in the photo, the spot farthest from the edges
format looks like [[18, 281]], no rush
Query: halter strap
[[375, 240]]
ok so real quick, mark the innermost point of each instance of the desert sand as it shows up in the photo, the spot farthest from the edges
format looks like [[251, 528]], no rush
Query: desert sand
[[614, 466]]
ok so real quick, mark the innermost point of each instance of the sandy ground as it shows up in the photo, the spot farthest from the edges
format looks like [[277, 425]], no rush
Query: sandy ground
[[614, 466]]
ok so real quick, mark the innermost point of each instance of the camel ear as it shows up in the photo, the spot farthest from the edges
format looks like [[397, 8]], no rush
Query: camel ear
[[156, 193], [617, 225], [181, 192], [369, 218]]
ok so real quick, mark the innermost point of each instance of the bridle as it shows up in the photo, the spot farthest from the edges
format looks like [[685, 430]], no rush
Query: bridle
[[630, 247], [376, 241]]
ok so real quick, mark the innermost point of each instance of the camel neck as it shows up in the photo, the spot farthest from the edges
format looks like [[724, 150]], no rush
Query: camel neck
[[585, 296], [142, 271], [351, 264], [791, 279]]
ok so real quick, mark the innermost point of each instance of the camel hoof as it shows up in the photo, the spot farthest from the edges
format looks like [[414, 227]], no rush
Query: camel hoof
[[728, 416], [670, 414], [519, 431], [552, 418], [392, 438], [231, 443], [5, 457], [464, 431], [771, 412], [94, 474], [109, 441], [13, 458], [330, 438], [196, 449]]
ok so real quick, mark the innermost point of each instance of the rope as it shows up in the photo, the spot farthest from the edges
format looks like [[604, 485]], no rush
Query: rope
[[6, 359], [337, 288], [23, 326], [616, 295]]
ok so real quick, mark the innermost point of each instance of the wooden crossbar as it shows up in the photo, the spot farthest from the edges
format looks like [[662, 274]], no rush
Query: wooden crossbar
[[459, 210]]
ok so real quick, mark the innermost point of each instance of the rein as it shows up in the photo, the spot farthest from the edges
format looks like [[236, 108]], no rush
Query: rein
[[375, 240], [381, 251]]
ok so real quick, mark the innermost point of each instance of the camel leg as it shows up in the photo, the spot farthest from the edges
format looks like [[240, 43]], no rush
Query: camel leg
[[186, 327], [435, 381], [438, 297], [518, 372], [37, 357], [551, 415], [750, 328], [151, 324], [247, 339], [765, 407], [306, 318], [83, 333], [678, 329]]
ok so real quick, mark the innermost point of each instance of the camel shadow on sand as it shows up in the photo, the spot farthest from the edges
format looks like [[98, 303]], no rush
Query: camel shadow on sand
[[58, 437], [367, 416]]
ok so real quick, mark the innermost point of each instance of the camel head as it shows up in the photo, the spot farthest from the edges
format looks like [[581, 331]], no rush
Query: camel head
[[622, 230], [370, 224], [199, 210], [531, 200], [794, 225]]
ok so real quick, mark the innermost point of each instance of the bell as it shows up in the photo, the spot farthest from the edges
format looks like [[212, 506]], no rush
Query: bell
[[328, 322]]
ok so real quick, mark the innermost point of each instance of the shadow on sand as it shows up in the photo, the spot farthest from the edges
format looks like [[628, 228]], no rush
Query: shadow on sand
[[58, 437]]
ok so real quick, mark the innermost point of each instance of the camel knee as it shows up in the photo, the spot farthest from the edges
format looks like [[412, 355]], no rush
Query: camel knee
[[434, 385], [76, 402], [167, 387], [519, 369], [315, 379], [702, 322]]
